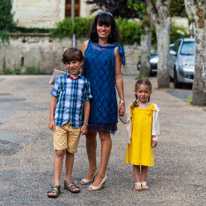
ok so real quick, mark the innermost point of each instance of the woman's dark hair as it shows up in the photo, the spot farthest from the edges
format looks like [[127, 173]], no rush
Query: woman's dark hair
[[72, 54], [104, 18], [139, 82]]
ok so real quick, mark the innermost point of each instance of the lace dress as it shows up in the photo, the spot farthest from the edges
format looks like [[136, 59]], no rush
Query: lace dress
[[99, 69]]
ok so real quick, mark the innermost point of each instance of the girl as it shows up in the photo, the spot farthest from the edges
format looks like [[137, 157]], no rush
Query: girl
[[103, 58], [143, 128]]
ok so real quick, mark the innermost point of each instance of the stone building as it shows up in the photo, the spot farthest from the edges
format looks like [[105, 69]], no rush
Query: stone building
[[45, 14]]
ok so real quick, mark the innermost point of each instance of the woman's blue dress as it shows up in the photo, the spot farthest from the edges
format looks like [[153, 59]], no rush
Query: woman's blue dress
[[99, 69]]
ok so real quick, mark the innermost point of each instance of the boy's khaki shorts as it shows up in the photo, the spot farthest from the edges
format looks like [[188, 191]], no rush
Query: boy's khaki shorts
[[66, 137]]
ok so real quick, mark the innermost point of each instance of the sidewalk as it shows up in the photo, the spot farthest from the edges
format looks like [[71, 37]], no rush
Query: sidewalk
[[26, 151]]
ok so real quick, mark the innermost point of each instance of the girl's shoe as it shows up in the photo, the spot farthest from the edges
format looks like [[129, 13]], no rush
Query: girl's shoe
[[86, 182], [144, 186], [101, 186], [138, 186]]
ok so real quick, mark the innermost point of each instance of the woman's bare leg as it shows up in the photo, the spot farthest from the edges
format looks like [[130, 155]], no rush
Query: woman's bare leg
[[91, 146], [106, 146]]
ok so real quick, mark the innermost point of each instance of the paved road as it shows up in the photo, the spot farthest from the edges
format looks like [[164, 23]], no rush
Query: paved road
[[26, 151]]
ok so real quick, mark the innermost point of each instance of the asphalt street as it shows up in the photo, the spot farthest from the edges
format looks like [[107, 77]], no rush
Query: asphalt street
[[26, 151]]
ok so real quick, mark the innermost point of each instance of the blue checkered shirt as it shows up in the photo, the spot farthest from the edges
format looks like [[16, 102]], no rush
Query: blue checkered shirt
[[71, 94]]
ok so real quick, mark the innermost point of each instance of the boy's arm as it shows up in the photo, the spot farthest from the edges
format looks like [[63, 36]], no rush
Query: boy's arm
[[86, 116], [52, 109]]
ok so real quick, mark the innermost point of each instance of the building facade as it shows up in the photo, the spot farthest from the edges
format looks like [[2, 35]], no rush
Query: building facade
[[45, 14]]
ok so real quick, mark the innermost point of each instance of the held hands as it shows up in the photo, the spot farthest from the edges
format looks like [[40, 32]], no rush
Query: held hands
[[84, 129], [51, 125], [121, 109], [154, 143]]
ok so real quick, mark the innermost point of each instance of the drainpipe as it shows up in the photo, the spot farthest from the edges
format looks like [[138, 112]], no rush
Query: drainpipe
[[73, 21]]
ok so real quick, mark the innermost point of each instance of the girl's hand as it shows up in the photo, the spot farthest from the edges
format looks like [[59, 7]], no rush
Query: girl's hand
[[121, 109], [84, 129], [51, 125], [154, 143]]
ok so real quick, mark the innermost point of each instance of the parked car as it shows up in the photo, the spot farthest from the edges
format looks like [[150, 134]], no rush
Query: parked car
[[153, 62], [182, 59]]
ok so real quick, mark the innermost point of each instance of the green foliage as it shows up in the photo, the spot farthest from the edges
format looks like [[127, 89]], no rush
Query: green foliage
[[178, 32], [189, 100], [30, 70], [139, 76], [66, 29], [6, 20], [177, 8], [130, 31], [33, 30]]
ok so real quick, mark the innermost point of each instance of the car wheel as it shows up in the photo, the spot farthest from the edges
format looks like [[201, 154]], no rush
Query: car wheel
[[177, 84]]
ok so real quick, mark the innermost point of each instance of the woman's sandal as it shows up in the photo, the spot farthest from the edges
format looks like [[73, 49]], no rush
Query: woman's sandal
[[56, 190], [138, 186], [70, 186], [144, 186], [86, 182]]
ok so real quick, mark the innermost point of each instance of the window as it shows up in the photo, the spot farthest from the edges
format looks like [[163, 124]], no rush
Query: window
[[68, 7]]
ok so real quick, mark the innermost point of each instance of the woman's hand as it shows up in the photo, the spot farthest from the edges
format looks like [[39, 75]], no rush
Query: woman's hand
[[84, 129], [121, 109]]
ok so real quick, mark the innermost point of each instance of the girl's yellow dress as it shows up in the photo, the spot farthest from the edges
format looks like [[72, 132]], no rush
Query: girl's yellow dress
[[140, 151]]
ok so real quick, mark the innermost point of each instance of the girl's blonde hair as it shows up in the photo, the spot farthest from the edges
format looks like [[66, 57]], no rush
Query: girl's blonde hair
[[139, 82]]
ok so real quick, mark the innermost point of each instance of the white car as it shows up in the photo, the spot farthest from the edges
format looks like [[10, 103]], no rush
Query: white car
[[182, 59]]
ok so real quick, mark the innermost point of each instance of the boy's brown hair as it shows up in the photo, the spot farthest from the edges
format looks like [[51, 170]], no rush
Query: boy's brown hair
[[72, 54]]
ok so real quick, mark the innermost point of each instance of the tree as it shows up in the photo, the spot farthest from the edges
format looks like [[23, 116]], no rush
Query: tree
[[117, 8], [6, 20], [196, 11], [159, 11]]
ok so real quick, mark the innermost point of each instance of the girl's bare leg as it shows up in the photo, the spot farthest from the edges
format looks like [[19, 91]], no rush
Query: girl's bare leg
[[144, 177], [106, 146], [91, 146], [136, 169]]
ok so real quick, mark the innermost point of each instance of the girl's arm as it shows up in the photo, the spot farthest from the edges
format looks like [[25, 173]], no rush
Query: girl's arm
[[119, 81]]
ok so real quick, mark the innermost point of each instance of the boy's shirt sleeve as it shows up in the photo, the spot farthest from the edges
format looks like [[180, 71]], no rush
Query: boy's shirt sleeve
[[55, 90], [87, 92]]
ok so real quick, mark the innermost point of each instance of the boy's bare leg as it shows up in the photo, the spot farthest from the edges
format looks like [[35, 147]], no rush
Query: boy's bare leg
[[91, 145], [58, 162], [69, 162]]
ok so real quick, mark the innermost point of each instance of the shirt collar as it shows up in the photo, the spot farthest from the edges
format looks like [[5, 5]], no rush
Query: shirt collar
[[78, 77]]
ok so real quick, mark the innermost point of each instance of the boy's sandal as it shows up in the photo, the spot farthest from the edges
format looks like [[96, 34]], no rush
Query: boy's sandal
[[70, 186], [55, 190], [138, 186], [144, 186]]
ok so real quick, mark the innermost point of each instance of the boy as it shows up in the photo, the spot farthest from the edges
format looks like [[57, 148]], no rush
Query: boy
[[70, 96]]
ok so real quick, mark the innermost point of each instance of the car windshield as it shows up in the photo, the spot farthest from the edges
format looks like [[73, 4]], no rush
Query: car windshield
[[188, 48]]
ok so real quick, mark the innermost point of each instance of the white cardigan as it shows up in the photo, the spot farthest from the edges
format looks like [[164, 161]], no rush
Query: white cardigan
[[126, 119]]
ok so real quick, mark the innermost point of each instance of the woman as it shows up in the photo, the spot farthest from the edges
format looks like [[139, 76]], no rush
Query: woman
[[102, 67]]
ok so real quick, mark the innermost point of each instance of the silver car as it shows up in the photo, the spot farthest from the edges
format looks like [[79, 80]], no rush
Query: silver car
[[182, 59]]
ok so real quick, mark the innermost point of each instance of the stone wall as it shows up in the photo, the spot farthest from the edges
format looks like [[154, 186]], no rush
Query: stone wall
[[38, 13], [45, 53]]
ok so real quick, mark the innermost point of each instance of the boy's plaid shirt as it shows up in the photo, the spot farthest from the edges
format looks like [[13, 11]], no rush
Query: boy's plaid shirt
[[71, 94]]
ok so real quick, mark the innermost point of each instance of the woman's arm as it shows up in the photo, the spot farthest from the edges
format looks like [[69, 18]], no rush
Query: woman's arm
[[119, 81], [83, 52]]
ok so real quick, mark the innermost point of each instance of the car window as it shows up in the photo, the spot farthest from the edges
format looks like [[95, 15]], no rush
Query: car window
[[176, 46], [188, 48]]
